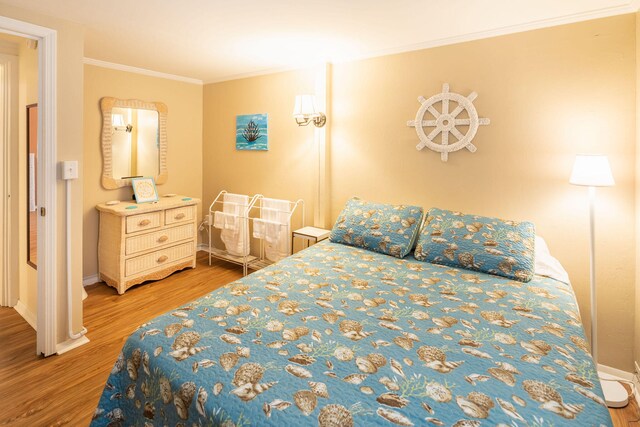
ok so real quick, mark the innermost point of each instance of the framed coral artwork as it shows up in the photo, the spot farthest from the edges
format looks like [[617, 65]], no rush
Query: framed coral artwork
[[252, 132], [144, 189]]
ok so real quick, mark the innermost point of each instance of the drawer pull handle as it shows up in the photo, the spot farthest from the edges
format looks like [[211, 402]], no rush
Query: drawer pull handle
[[180, 215], [144, 222], [162, 239], [163, 258]]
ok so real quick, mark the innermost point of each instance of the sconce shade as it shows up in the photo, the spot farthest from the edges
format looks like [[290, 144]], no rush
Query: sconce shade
[[117, 120], [305, 107], [591, 170], [305, 111]]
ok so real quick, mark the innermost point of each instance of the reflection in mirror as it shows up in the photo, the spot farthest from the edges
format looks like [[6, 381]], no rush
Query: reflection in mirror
[[32, 168], [134, 141]]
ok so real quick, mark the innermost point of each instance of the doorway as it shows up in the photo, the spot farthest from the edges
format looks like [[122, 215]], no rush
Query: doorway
[[46, 276], [18, 88]]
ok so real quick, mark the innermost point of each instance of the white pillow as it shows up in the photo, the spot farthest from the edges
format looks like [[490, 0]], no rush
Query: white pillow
[[547, 265]]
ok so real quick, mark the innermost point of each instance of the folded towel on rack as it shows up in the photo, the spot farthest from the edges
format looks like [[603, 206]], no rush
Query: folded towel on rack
[[276, 215], [235, 224], [226, 221], [259, 227], [273, 237], [263, 229], [218, 219]]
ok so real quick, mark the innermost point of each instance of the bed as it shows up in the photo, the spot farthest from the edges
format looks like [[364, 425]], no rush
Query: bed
[[342, 335]]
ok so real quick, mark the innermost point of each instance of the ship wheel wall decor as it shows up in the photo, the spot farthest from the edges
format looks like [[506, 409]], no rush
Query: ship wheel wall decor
[[445, 122]]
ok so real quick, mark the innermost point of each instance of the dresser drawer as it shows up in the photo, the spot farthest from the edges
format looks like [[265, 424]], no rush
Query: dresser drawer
[[146, 221], [164, 237], [185, 213], [157, 259]]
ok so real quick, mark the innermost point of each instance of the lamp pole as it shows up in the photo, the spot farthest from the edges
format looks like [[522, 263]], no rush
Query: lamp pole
[[592, 275], [594, 171]]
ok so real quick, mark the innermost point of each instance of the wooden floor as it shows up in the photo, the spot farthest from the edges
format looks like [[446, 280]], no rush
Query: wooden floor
[[64, 390], [627, 416]]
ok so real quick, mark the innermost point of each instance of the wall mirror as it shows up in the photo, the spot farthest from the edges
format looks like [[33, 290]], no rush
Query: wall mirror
[[134, 141], [32, 168]]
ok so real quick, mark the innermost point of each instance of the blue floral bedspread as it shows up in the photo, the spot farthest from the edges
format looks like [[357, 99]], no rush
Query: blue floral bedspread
[[340, 336]]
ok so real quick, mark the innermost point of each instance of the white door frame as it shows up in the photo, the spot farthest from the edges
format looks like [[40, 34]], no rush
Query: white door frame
[[47, 179], [7, 296], [9, 140]]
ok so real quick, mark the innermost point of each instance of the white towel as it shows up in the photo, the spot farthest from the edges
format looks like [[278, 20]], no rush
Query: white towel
[[231, 222], [259, 227], [234, 234], [226, 221], [263, 229], [276, 216], [273, 236]]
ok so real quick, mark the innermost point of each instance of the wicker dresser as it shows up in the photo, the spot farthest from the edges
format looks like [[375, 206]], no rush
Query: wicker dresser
[[140, 242]]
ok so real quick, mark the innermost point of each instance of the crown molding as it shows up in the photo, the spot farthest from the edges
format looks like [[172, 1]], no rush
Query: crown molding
[[631, 7], [258, 73], [136, 70]]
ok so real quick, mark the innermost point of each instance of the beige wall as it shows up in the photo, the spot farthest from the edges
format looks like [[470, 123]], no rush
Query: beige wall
[[70, 46], [184, 132], [549, 93], [287, 169], [28, 94]]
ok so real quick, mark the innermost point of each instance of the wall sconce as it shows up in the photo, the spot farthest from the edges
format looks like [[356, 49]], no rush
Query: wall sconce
[[117, 120], [305, 111]]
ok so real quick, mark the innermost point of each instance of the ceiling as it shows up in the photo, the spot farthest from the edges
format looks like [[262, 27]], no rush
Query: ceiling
[[214, 40]]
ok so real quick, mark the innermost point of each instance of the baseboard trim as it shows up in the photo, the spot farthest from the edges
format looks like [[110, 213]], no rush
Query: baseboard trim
[[90, 280], [26, 314], [69, 345], [621, 375]]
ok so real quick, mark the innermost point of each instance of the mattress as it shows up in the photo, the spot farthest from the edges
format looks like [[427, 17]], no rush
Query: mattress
[[340, 336]]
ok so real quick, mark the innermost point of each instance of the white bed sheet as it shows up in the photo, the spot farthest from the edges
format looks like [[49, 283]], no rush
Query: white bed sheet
[[547, 265]]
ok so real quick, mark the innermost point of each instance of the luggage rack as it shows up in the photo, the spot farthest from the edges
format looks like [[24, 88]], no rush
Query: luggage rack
[[247, 261]]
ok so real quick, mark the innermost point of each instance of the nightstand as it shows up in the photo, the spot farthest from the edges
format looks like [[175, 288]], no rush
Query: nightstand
[[310, 234]]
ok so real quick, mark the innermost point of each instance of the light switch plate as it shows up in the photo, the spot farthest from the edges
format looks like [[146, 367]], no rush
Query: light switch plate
[[70, 169]]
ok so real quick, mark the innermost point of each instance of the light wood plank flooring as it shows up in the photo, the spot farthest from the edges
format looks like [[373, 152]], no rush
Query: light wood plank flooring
[[64, 390], [627, 416]]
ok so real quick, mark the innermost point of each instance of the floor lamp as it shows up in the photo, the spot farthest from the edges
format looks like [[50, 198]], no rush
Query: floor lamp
[[594, 171]]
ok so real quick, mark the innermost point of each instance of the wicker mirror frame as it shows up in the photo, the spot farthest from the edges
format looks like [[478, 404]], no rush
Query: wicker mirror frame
[[106, 106]]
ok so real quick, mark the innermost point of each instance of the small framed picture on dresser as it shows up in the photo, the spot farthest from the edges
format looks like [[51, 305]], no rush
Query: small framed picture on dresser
[[144, 189]]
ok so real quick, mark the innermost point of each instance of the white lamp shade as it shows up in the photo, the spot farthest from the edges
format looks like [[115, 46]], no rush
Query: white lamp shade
[[117, 120], [591, 170], [305, 106]]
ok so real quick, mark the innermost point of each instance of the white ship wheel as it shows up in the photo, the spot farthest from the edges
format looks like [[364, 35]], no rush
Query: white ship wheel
[[445, 122]]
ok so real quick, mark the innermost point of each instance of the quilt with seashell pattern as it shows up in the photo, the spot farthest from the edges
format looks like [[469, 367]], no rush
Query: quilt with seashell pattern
[[340, 336]]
